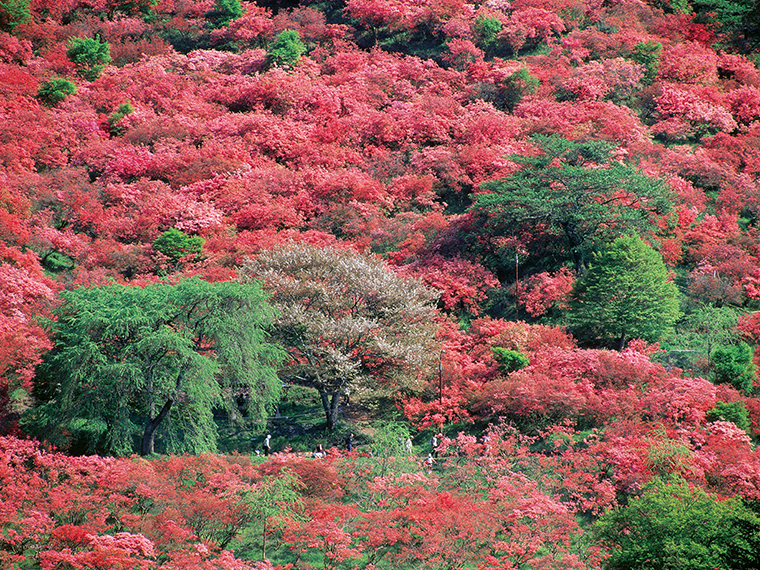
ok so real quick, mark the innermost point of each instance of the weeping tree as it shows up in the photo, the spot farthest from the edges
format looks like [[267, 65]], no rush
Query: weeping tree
[[132, 362], [348, 323]]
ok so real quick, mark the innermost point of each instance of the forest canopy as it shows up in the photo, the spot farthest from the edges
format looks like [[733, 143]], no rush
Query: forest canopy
[[379, 284]]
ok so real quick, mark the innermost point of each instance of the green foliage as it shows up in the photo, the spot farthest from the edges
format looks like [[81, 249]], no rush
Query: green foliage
[[673, 526], [730, 412], [223, 12], [56, 90], [113, 122], [286, 49], [696, 335], [265, 505], [648, 55], [733, 365], [517, 86], [487, 29], [388, 449], [509, 360], [578, 192], [627, 293], [13, 13], [130, 362], [739, 20], [176, 244], [89, 55]]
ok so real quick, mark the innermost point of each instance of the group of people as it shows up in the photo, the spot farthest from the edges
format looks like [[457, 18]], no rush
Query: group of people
[[319, 450]]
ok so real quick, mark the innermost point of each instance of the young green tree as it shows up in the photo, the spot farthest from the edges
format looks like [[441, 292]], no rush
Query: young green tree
[[347, 322], [56, 90], [648, 55], [130, 362], [578, 191], [176, 244], [286, 49], [673, 526], [626, 293], [730, 412], [114, 119], [732, 364], [509, 360], [89, 55]]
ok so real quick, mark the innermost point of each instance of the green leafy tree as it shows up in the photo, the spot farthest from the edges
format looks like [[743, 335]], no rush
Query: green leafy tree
[[708, 327], [176, 244], [517, 86], [113, 123], [223, 12], [509, 360], [733, 365], [673, 526], [730, 412], [276, 497], [487, 29], [648, 54], [348, 323], [89, 55], [286, 49], [626, 293], [13, 13], [56, 90], [575, 190], [129, 361]]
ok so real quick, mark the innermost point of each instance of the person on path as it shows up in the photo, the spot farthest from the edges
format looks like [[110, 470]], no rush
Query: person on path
[[350, 442], [268, 444]]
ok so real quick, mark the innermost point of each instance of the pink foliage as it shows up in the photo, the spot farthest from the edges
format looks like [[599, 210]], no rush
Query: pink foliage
[[681, 109], [463, 284], [530, 24], [542, 291], [688, 63]]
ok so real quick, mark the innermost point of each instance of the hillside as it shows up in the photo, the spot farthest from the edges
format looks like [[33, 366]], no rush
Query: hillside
[[531, 228]]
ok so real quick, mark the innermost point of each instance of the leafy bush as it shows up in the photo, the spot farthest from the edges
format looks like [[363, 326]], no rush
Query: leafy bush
[[89, 55], [509, 360], [224, 12], [733, 365], [176, 244], [730, 412], [648, 55], [286, 49], [56, 90], [13, 13], [122, 111]]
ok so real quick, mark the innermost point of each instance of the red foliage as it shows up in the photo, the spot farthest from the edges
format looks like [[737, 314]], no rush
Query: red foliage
[[463, 284], [540, 292]]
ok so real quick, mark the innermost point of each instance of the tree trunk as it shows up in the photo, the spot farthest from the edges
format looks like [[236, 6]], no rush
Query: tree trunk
[[621, 344], [576, 247], [150, 429], [330, 403]]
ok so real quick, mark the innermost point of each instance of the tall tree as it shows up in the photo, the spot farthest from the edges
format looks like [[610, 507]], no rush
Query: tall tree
[[347, 322], [575, 190], [627, 293], [130, 361]]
